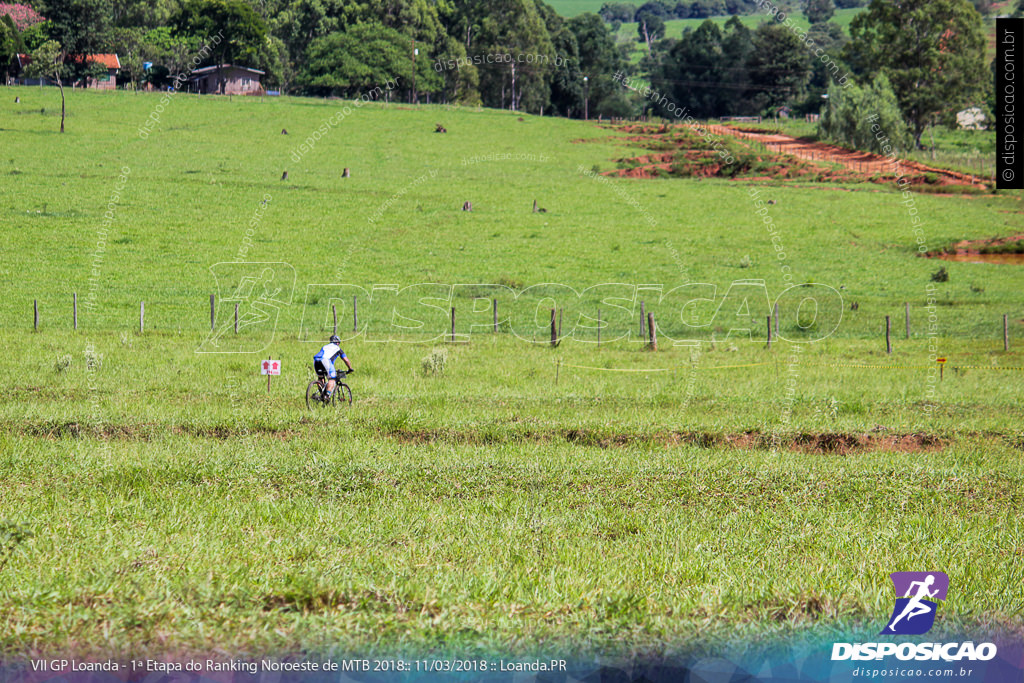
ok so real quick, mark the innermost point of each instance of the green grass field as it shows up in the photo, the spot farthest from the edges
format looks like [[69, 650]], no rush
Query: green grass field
[[525, 498], [570, 8]]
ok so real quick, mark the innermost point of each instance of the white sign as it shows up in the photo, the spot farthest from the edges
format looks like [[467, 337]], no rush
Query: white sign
[[270, 367]]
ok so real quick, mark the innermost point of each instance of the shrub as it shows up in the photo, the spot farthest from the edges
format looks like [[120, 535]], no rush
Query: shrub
[[434, 362], [62, 363], [940, 275], [11, 535], [852, 111]]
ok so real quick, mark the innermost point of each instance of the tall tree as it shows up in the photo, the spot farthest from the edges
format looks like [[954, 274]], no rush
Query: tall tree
[[779, 65], [865, 118], [514, 31], [932, 51], [650, 28], [300, 22], [819, 11], [81, 28], [599, 60], [242, 31], [47, 61], [692, 73], [356, 60], [144, 14], [10, 43]]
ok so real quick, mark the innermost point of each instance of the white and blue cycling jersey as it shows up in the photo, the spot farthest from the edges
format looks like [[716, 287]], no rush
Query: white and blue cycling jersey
[[325, 358]]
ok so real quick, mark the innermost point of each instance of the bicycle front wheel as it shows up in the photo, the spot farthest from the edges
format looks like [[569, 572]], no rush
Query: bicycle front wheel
[[313, 395], [343, 395]]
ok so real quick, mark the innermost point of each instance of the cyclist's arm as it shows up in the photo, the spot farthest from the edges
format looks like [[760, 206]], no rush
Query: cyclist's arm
[[345, 358]]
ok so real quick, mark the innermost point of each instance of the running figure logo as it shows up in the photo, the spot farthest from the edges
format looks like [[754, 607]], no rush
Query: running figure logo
[[919, 592], [258, 292]]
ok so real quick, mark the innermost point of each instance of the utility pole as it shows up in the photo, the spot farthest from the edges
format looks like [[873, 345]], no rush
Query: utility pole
[[586, 96], [415, 53]]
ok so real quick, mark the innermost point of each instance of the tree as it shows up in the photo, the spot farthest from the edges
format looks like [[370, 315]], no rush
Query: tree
[[650, 27], [357, 60], [658, 9], [617, 11], [819, 11], [830, 39], [865, 118], [693, 73], [599, 60], [512, 30], [300, 22], [10, 43], [35, 35], [143, 14], [932, 51], [779, 65], [242, 30], [47, 61], [81, 28]]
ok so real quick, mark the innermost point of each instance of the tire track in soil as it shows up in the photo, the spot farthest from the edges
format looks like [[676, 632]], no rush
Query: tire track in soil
[[862, 163]]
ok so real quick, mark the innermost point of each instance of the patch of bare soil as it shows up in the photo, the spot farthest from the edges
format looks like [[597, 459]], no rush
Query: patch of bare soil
[[978, 251], [838, 443], [863, 163], [788, 158]]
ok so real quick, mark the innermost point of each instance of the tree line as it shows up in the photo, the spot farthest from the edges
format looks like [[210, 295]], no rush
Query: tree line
[[925, 58]]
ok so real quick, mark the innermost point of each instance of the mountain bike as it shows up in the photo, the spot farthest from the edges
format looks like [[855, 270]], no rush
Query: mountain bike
[[316, 392]]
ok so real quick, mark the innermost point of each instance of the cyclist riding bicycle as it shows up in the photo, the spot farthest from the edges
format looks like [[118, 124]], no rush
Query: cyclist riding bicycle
[[323, 362]]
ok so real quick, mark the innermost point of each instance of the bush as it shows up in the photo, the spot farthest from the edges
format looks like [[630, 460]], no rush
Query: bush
[[434, 362], [852, 111], [11, 535], [62, 363], [940, 275]]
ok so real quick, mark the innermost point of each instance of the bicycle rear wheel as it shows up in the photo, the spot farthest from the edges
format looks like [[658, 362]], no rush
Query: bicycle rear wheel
[[343, 395]]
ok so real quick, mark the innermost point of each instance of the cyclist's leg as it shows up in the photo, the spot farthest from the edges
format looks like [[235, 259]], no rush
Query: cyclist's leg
[[321, 374], [332, 375]]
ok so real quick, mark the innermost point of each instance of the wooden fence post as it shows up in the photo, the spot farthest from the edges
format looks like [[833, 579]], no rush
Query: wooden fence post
[[142, 317], [906, 310], [888, 329], [453, 323], [554, 332], [74, 309], [212, 305], [236, 318], [1006, 332], [495, 301], [769, 332], [35, 314], [652, 331]]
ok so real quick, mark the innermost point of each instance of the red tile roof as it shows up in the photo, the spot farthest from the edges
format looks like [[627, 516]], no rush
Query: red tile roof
[[108, 60]]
